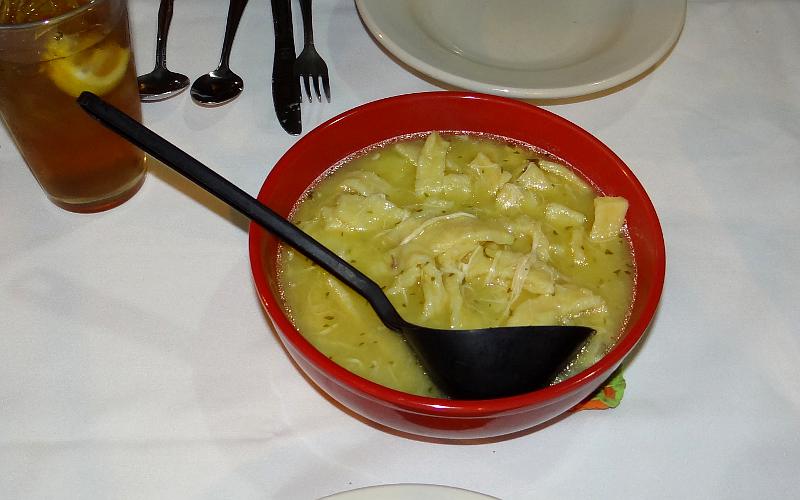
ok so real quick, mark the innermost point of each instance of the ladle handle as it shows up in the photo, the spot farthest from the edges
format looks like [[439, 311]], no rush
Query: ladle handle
[[175, 158]]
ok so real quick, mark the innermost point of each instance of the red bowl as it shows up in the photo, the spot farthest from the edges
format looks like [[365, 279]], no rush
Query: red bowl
[[378, 121]]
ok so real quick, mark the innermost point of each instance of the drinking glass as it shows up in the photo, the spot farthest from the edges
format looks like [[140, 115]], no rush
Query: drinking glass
[[44, 66]]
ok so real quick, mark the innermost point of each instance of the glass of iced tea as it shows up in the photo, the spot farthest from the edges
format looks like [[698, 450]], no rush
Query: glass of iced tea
[[50, 51]]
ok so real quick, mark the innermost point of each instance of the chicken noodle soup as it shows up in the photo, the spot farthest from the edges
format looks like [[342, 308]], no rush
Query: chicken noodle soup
[[460, 231]]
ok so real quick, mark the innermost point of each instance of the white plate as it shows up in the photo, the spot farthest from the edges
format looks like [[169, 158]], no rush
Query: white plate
[[530, 49], [409, 492]]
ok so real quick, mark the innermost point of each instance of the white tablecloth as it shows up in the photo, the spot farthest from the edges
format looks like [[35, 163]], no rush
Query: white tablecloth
[[136, 362]]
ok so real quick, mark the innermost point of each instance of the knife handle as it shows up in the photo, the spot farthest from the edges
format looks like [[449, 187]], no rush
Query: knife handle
[[282, 21]]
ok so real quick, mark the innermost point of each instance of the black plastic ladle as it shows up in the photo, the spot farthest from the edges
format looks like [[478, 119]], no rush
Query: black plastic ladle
[[466, 364]]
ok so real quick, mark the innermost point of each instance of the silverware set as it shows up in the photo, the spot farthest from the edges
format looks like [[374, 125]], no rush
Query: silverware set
[[222, 85]]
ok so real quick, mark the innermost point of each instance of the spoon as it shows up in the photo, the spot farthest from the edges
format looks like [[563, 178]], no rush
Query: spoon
[[162, 83], [481, 363], [222, 85]]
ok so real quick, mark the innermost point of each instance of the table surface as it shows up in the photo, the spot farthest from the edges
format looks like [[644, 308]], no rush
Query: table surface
[[136, 361]]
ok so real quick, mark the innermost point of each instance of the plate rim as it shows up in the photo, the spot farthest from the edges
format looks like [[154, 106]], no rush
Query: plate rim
[[561, 92], [409, 488]]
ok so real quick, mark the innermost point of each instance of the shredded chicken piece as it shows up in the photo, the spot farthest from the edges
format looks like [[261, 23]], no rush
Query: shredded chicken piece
[[432, 221]]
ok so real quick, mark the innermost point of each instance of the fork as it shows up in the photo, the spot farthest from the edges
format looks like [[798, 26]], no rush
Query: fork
[[309, 64]]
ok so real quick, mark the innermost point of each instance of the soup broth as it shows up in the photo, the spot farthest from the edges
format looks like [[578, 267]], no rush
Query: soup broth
[[460, 231]]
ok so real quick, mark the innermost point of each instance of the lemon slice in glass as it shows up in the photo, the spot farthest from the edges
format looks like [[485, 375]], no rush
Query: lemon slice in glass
[[97, 69]]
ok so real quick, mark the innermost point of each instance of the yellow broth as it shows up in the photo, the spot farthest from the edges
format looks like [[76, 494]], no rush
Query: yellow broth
[[460, 231]]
